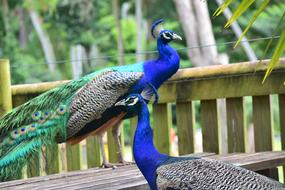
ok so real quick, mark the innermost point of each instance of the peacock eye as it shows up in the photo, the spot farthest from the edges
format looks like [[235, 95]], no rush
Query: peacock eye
[[130, 100], [167, 35]]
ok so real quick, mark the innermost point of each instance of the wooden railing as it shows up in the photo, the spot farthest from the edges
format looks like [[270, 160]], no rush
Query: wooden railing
[[188, 87]]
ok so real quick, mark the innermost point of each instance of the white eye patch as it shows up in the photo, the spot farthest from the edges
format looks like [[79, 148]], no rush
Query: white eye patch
[[132, 101], [165, 36]]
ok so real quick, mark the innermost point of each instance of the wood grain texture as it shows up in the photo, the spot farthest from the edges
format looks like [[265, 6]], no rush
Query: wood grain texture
[[223, 86], [5, 87], [262, 121], [200, 81], [235, 124], [185, 127], [73, 157], [133, 125], [129, 177], [209, 121], [281, 98], [112, 149], [161, 127], [93, 152]]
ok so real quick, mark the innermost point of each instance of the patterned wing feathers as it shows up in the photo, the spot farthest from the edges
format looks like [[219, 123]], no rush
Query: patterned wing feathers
[[98, 95], [211, 174]]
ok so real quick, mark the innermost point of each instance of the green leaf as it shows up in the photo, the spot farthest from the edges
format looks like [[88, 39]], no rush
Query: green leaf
[[280, 47], [222, 7], [273, 35], [256, 14], [243, 6]]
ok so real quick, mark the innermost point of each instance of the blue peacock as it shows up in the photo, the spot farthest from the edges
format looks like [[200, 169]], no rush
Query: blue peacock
[[83, 107], [165, 172]]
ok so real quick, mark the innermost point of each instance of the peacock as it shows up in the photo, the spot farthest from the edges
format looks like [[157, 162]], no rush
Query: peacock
[[83, 107], [165, 172]]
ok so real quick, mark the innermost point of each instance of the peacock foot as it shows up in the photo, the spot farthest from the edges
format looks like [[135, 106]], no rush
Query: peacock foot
[[125, 163], [109, 165]]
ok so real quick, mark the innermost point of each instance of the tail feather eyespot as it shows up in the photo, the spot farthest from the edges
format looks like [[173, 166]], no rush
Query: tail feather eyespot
[[41, 119], [61, 110], [36, 116], [46, 114], [23, 130], [32, 127], [15, 134]]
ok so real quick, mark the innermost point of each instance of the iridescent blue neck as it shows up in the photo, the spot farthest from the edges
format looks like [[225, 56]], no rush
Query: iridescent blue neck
[[146, 156], [159, 70]]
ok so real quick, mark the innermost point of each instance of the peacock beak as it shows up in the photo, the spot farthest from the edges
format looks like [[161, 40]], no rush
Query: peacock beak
[[176, 37], [121, 103]]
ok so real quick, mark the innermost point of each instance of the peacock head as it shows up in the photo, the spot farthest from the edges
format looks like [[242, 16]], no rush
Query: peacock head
[[132, 101], [166, 36]]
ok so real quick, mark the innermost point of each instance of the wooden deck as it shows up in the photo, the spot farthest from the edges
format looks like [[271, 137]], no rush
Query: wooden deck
[[129, 177]]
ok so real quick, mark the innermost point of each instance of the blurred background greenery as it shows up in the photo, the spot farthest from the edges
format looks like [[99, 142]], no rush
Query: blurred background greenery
[[92, 25]]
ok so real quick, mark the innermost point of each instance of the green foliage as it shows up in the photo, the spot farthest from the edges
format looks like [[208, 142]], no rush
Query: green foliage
[[256, 14], [244, 6], [92, 23]]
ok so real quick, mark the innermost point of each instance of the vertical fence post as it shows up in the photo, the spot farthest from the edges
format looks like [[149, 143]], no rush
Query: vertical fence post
[[74, 157], [112, 149], [262, 123], [161, 127], [5, 87], [93, 152], [210, 125]]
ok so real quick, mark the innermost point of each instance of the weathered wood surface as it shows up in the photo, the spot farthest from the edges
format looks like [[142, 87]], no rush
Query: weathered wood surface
[[235, 124], [203, 80], [185, 127], [129, 177], [210, 124], [5, 87], [161, 127]]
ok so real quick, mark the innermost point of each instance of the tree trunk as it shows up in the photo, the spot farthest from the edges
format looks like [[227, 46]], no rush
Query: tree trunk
[[44, 39], [196, 23], [197, 27], [78, 55], [237, 30], [120, 46], [139, 22], [23, 36]]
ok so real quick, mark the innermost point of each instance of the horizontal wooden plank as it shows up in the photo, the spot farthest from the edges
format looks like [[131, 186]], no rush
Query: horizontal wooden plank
[[223, 86], [129, 177], [229, 69], [198, 82]]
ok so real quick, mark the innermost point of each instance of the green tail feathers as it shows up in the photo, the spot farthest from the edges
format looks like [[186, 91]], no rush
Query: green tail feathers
[[20, 143], [39, 122]]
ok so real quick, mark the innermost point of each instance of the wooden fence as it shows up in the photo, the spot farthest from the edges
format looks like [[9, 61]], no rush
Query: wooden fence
[[194, 86]]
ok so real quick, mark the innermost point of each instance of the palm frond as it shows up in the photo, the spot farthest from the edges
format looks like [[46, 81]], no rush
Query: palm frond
[[279, 49], [243, 6], [222, 7], [273, 35], [256, 14]]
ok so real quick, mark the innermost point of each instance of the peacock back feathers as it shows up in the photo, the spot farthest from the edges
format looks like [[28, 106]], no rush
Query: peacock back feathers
[[210, 174], [58, 114]]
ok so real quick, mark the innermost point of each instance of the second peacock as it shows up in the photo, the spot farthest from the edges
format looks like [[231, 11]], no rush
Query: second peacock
[[165, 172]]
